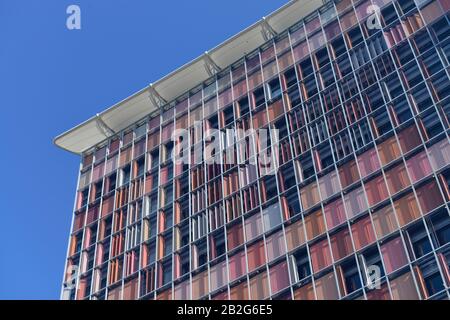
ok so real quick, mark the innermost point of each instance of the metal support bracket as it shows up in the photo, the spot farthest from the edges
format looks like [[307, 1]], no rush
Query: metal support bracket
[[210, 66], [103, 127], [266, 30], [155, 97]]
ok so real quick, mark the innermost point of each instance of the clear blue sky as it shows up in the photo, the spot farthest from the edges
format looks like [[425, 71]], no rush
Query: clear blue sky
[[52, 79]]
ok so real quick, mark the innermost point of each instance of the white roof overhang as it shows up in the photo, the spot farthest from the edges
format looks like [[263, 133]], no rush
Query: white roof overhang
[[123, 114]]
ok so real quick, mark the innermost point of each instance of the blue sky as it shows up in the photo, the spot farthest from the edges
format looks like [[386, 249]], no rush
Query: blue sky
[[52, 79]]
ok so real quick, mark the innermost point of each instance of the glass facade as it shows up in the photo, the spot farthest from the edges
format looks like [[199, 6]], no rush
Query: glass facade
[[362, 183]]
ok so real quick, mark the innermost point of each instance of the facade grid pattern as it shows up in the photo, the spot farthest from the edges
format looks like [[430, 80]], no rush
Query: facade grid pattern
[[363, 176]]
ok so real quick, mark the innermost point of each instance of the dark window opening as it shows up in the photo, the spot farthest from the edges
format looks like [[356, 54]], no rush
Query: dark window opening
[[351, 276], [389, 15], [243, 106], [441, 29], [300, 265], [432, 123], [440, 225], [290, 77], [419, 240], [338, 46], [126, 172], [421, 97], [273, 89], [258, 96], [404, 53], [307, 166]]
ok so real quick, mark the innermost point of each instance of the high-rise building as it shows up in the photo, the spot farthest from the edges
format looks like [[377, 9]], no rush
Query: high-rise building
[[353, 202]]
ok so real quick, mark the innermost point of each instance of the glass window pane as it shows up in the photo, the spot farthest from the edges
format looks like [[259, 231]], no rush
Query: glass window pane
[[271, 216], [295, 235], [282, 44], [182, 291], [368, 162], [312, 25], [218, 276], [397, 178], [285, 60], [379, 294], [125, 156], [329, 185], [254, 80], [130, 289], [341, 244], [200, 285], [239, 292], [256, 256], [429, 197], [326, 288], [298, 34], [409, 138], [332, 30], [168, 115], [376, 190], [279, 277], [127, 137], [220, 296], [309, 195], [418, 166], [315, 225], [317, 41], [182, 122], [167, 131], [225, 98], [305, 293], [348, 20], [362, 232], [300, 51], [406, 209], [381, 3], [328, 14], [153, 140], [362, 11], [355, 202], [267, 53], [394, 255], [240, 89], [237, 265], [253, 226], [235, 236], [431, 12], [335, 213], [270, 70], [275, 246], [440, 154], [445, 4], [403, 288], [389, 150], [342, 5], [253, 62], [348, 173], [154, 124], [320, 255], [384, 221], [259, 286], [97, 172]]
